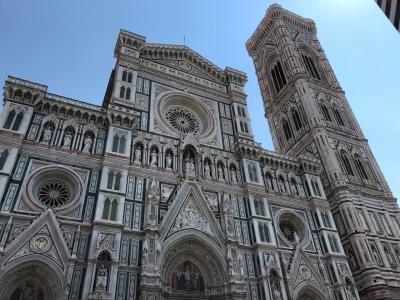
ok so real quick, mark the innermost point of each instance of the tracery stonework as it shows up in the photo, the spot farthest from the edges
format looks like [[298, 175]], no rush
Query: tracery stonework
[[162, 193]]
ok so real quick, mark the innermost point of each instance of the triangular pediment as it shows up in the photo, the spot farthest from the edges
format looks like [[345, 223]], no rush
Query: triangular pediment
[[191, 210], [184, 59], [305, 273], [42, 238]]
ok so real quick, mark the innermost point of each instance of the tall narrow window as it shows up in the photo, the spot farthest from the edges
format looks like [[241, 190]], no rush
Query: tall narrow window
[[270, 182], [346, 164], [9, 120], [296, 119], [122, 92], [128, 94], [261, 232], [122, 142], [338, 117], [315, 188], [243, 112], [293, 185], [130, 77], [3, 158], [246, 128], [361, 168], [287, 130], [17, 121], [113, 214], [310, 66], [124, 75], [325, 112], [110, 180], [115, 143], [278, 77], [106, 209], [117, 183]]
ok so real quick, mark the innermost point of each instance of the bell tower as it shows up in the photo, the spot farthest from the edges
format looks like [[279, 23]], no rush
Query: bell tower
[[309, 115]]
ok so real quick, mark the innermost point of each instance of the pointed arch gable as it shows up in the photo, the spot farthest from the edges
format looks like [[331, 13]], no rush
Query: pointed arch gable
[[57, 255], [190, 191], [298, 280]]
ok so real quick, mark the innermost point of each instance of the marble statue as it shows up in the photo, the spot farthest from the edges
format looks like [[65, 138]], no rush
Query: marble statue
[[102, 276], [87, 145], [168, 161], [154, 158]]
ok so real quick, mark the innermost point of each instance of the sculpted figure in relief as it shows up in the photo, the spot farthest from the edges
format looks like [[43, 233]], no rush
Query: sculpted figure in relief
[[207, 169], [168, 161], [67, 140], [233, 175], [47, 134], [138, 154], [154, 158], [220, 172], [102, 276], [87, 144]]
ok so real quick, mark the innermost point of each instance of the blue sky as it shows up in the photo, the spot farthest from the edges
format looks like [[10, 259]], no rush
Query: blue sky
[[68, 45]]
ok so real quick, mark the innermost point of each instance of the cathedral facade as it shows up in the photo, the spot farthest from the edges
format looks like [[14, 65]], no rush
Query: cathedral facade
[[163, 193]]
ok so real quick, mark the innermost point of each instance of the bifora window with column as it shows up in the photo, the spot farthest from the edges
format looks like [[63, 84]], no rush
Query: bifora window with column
[[278, 77]]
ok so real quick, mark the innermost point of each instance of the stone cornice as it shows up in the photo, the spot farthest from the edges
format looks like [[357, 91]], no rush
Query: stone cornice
[[276, 12]]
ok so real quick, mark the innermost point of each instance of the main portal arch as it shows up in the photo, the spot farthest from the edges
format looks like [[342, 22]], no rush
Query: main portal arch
[[31, 280], [192, 267]]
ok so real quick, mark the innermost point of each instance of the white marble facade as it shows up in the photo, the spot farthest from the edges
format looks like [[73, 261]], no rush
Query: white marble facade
[[162, 192]]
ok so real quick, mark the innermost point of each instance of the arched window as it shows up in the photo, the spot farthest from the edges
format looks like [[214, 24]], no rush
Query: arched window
[[122, 92], [117, 182], [246, 129], [130, 77], [252, 170], [287, 130], [325, 112], [338, 117], [106, 209], [360, 167], [261, 231], [315, 188], [115, 143], [310, 66], [3, 158], [346, 164], [9, 120], [122, 142], [110, 180], [278, 77], [124, 75], [241, 126], [128, 94], [293, 186], [282, 186], [296, 119], [270, 181], [113, 214], [18, 121]]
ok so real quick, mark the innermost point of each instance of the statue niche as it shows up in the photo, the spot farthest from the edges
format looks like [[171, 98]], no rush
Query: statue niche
[[187, 278]]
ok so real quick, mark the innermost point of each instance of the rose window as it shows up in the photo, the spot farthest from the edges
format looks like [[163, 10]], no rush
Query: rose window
[[183, 120], [289, 231], [55, 187], [178, 114], [53, 193]]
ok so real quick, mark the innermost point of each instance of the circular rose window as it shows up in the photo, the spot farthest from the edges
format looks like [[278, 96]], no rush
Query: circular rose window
[[55, 187], [292, 228], [54, 193], [289, 231], [183, 120], [177, 113]]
